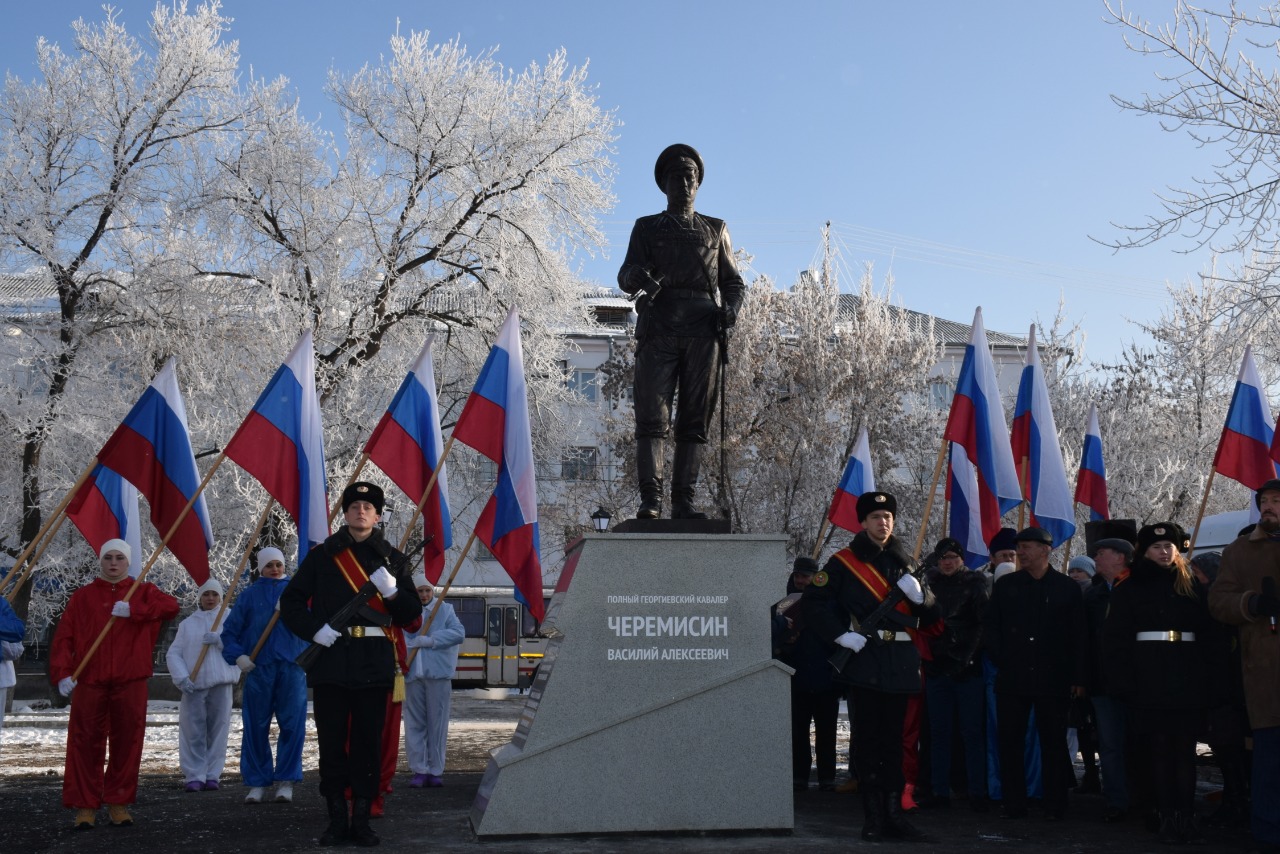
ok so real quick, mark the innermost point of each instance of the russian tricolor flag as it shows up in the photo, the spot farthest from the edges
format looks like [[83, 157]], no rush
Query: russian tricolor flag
[[1244, 451], [281, 443], [495, 421], [105, 507], [1091, 482], [407, 445], [1034, 441], [977, 424], [965, 524], [857, 479], [152, 450]]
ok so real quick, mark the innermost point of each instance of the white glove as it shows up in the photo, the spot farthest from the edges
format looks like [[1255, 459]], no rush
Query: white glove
[[385, 582], [425, 641], [120, 609], [65, 686], [186, 686], [326, 635], [852, 640], [908, 585], [213, 639], [245, 663]]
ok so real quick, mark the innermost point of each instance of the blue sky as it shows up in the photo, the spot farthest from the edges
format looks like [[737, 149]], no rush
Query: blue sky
[[970, 149]]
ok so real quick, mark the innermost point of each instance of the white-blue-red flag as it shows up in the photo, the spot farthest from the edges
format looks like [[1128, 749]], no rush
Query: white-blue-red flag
[[965, 524], [495, 421], [407, 446], [1244, 450], [152, 450], [1034, 441], [281, 443], [857, 479], [1091, 481], [977, 424], [105, 507]]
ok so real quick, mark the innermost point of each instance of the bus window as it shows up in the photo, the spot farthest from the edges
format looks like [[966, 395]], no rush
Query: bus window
[[495, 627], [512, 627], [470, 611]]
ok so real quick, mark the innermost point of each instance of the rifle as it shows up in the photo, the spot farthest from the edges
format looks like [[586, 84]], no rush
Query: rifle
[[867, 628], [348, 612]]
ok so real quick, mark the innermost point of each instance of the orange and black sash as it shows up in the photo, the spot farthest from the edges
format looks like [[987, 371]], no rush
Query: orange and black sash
[[870, 578], [356, 576]]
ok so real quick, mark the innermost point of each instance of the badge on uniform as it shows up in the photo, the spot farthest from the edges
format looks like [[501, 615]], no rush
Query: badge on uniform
[[820, 579]]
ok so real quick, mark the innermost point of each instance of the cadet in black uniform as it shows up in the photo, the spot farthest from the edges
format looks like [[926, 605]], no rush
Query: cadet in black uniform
[[885, 667], [353, 677]]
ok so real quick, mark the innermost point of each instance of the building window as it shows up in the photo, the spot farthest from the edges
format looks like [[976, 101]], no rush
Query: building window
[[580, 464], [940, 394], [584, 383]]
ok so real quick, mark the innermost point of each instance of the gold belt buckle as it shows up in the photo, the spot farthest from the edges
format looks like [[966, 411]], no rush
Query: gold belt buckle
[[888, 635], [1175, 636], [357, 631]]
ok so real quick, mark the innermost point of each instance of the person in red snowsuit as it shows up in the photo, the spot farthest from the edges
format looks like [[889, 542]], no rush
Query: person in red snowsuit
[[110, 695]]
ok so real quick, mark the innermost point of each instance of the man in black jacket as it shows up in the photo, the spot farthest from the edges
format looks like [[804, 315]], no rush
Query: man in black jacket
[[1112, 557], [353, 677], [1035, 635], [885, 667]]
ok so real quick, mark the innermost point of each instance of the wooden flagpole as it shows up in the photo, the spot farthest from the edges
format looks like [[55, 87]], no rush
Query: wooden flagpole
[[1213, 470], [173, 529], [426, 493], [235, 580], [56, 515], [441, 594], [333, 511], [822, 532], [928, 504], [31, 564]]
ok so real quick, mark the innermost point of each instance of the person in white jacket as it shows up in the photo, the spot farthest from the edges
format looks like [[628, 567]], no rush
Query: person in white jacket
[[428, 688], [205, 712], [12, 630]]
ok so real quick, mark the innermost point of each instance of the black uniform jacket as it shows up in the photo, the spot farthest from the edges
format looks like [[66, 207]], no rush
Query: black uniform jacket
[[889, 666], [1158, 674], [1097, 598], [1035, 634], [318, 590]]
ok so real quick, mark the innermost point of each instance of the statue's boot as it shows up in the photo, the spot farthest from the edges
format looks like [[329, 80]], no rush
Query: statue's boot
[[684, 478], [649, 453]]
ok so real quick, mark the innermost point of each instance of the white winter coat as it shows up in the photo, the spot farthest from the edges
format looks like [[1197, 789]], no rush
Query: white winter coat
[[185, 650]]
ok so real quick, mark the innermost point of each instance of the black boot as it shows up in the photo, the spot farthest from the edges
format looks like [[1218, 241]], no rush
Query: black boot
[[337, 831], [895, 820], [1188, 827], [872, 814], [1168, 832], [684, 479], [362, 834], [649, 453]]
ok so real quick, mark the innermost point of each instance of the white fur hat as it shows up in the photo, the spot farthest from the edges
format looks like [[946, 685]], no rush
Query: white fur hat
[[1002, 570], [420, 580], [116, 546], [211, 584], [266, 555]]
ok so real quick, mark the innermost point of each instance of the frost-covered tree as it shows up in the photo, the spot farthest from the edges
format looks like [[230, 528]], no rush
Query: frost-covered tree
[[1218, 84]]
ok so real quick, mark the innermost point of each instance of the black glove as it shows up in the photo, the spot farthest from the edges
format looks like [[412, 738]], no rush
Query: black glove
[[1265, 604], [639, 280], [728, 316]]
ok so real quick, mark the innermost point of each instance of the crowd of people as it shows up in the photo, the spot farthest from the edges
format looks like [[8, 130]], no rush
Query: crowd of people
[[1129, 656], [366, 622]]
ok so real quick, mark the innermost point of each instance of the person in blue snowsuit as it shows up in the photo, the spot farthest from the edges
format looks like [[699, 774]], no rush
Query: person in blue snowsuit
[[274, 685], [429, 688]]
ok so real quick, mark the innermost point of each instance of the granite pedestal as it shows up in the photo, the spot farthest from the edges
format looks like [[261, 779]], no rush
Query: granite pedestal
[[657, 707]]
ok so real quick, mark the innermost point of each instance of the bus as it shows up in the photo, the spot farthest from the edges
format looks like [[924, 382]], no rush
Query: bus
[[502, 648]]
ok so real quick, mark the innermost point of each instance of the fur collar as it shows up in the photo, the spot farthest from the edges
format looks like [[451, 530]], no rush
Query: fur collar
[[866, 550]]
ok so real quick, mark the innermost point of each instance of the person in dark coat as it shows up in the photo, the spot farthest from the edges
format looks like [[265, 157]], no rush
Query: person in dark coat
[[352, 678], [884, 668], [953, 678], [814, 696], [1112, 556], [1158, 634], [1035, 636]]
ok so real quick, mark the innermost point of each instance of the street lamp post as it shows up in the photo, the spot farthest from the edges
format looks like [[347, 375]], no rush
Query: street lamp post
[[600, 520]]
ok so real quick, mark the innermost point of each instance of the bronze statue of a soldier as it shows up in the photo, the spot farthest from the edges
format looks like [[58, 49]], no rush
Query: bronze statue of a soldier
[[678, 262]]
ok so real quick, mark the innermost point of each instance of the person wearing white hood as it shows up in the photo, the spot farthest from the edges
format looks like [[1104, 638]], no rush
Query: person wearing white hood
[[204, 715], [428, 688], [274, 684]]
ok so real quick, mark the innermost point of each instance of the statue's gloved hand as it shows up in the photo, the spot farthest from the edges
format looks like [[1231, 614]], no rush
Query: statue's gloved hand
[[728, 316], [638, 279]]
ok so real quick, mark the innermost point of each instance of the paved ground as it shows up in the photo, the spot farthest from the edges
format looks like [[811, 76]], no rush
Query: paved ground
[[436, 820]]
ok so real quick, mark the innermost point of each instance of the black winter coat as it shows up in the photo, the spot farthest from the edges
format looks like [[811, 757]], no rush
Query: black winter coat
[[1035, 634], [1158, 674], [962, 603], [835, 597], [1097, 597], [319, 590]]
